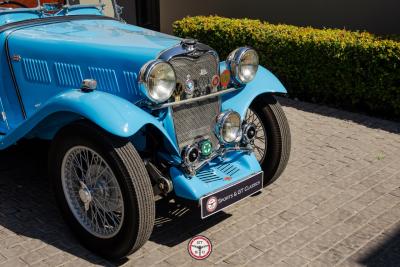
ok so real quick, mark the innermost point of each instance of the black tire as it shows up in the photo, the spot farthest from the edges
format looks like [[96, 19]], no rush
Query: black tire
[[277, 133], [132, 178]]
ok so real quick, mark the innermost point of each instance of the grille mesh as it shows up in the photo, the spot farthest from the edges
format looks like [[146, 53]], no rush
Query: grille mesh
[[195, 120], [201, 70]]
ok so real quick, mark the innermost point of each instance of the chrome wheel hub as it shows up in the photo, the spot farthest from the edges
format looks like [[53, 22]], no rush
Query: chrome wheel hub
[[85, 195], [259, 143], [92, 192]]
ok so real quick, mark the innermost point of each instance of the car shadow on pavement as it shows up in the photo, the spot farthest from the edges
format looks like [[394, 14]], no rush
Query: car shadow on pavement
[[176, 223], [30, 219], [368, 121], [384, 252]]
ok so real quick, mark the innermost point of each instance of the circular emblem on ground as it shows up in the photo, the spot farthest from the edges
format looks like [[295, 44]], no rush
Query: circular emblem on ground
[[199, 247], [212, 203]]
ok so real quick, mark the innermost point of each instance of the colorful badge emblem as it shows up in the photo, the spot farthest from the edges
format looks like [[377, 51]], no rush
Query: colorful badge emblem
[[225, 78], [212, 204], [215, 82], [206, 148], [178, 92], [202, 84], [189, 85]]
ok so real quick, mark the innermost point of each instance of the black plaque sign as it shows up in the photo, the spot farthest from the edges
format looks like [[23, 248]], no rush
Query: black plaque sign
[[227, 196]]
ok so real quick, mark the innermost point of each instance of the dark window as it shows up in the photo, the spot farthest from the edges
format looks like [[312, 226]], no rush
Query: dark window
[[144, 13]]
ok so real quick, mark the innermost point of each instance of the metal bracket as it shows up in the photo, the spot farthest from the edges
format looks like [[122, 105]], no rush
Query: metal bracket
[[163, 185]]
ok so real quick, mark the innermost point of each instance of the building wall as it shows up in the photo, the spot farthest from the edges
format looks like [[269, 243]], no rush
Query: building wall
[[376, 16]]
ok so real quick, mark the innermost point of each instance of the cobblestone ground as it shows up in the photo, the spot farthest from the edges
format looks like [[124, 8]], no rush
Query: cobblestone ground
[[338, 203]]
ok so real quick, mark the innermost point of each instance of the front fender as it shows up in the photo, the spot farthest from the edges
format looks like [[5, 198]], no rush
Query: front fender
[[264, 82], [112, 113]]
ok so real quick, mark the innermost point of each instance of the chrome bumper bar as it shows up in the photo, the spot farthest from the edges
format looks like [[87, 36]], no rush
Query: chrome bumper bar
[[190, 100]]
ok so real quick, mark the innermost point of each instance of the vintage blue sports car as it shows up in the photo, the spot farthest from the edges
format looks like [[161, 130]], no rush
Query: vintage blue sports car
[[133, 114]]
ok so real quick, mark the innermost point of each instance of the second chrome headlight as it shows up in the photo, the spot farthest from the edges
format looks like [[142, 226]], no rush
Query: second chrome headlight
[[228, 127], [158, 80], [243, 64]]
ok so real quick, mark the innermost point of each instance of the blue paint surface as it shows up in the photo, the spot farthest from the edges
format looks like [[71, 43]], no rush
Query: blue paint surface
[[56, 57], [195, 187]]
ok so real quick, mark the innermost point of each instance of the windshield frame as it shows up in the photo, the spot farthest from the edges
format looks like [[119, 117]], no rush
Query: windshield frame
[[65, 8]]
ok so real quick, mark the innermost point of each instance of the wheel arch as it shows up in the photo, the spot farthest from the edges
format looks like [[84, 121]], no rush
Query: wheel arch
[[111, 113]]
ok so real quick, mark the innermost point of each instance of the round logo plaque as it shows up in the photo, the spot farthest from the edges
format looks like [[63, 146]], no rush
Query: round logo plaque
[[199, 247]]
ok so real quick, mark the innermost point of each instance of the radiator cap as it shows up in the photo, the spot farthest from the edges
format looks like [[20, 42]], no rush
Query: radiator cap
[[189, 44]]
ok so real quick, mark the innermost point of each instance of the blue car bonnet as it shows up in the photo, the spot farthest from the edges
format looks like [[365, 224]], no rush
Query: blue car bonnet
[[58, 56]]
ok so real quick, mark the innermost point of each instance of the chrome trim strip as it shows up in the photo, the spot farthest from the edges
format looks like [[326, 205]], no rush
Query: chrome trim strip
[[181, 50], [190, 100], [77, 6], [50, 20], [20, 9], [13, 77]]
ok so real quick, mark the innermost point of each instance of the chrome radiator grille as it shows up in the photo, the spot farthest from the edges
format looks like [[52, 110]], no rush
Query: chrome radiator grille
[[194, 121], [200, 70]]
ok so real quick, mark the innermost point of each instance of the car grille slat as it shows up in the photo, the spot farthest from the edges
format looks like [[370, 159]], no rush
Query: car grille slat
[[228, 169], [208, 176]]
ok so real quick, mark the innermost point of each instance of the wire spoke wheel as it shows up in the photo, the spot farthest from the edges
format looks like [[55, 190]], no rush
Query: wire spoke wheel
[[260, 141], [92, 192]]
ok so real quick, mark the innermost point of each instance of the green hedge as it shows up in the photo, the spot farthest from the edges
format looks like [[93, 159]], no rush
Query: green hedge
[[355, 70]]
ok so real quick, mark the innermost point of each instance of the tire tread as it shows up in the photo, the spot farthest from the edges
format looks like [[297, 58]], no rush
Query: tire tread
[[273, 117]]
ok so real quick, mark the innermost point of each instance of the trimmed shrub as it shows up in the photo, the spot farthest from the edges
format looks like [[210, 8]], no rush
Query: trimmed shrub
[[355, 70]]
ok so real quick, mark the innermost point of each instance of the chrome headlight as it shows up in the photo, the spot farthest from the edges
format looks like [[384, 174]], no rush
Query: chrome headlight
[[243, 64], [228, 127], [158, 80]]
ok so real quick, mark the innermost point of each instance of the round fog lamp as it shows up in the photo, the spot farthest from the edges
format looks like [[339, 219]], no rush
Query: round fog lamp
[[228, 127], [191, 154]]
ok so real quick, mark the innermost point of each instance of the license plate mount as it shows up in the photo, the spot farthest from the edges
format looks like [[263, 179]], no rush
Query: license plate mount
[[227, 196]]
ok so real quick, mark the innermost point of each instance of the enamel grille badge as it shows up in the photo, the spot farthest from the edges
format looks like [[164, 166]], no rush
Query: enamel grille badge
[[215, 81], [189, 85], [225, 78]]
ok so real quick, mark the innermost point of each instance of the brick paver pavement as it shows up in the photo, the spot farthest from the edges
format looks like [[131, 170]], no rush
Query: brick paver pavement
[[338, 203]]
